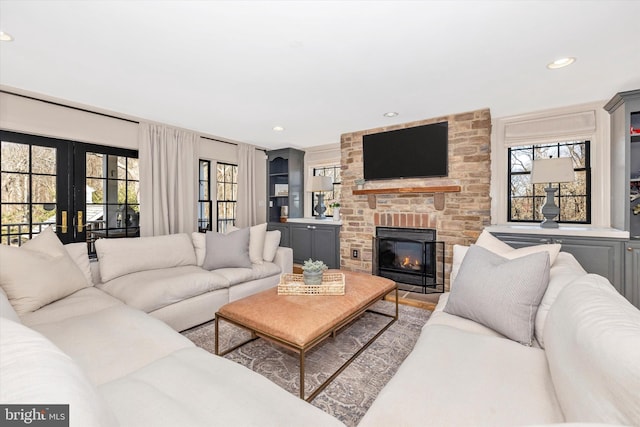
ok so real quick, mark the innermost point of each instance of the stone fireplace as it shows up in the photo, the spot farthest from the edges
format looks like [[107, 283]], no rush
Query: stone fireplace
[[458, 221]]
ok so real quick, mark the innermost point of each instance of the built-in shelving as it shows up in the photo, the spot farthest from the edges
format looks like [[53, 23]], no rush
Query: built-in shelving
[[437, 191]]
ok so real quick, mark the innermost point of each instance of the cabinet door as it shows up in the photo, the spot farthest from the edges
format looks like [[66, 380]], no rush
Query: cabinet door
[[301, 242], [603, 257], [324, 245], [632, 284]]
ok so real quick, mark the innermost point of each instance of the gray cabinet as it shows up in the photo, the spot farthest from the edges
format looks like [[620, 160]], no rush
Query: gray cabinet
[[624, 109], [596, 255], [315, 241], [632, 267], [285, 183]]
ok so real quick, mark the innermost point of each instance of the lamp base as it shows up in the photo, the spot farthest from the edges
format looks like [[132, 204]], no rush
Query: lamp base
[[550, 211], [320, 207]]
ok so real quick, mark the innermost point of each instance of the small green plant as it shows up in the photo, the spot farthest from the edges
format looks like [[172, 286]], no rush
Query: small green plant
[[335, 204], [311, 265]]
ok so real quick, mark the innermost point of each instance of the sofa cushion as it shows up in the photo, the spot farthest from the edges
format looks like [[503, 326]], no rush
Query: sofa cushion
[[592, 342], [38, 273], [35, 371], [458, 378], [499, 293], [565, 270], [192, 387], [123, 256], [271, 243], [227, 250], [153, 289], [200, 245], [85, 301], [111, 343], [241, 275]]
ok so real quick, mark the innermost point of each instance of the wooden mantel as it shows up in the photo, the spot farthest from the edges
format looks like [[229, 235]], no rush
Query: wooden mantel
[[437, 191]]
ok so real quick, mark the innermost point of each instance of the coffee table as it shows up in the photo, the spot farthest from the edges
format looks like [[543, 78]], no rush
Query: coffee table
[[300, 322]]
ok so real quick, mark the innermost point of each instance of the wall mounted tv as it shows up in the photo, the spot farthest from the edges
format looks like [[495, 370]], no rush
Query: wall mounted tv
[[416, 152]]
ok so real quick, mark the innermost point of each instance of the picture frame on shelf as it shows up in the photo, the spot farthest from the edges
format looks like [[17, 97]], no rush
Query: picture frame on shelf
[[281, 190]]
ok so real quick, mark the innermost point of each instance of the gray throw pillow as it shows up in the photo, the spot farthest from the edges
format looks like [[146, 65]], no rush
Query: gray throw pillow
[[227, 250], [500, 293]]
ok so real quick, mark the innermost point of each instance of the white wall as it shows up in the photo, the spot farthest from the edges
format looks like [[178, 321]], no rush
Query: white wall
[[57, 118]]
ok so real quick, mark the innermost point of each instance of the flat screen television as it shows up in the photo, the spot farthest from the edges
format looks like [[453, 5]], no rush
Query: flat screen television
[[416, 152]]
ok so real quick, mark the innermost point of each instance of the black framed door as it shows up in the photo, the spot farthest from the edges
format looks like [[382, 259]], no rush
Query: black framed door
[[84, 191]]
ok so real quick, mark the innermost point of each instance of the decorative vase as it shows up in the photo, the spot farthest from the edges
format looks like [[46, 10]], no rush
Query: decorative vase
[[312, 277], [336, 214]]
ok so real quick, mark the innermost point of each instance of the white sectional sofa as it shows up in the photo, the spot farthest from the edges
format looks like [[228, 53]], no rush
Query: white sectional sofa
[[583, 366], [113, 363]]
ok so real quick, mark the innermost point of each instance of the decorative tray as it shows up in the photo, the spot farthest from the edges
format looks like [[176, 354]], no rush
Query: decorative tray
[[293, 284]]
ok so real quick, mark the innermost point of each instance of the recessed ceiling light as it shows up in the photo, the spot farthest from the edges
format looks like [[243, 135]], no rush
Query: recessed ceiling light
[[390, 114], [561, 62], [5, 37], [278, 128]]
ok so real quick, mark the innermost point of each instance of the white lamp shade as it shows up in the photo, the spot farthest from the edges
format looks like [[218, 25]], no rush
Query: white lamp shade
[[320, 183], [552, 170]]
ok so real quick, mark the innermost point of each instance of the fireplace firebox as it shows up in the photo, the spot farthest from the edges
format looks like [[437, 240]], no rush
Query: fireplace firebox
[[411, 257]]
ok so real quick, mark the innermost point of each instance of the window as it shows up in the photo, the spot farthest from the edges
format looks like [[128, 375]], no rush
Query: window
[[573, 198], [204, 197], [227, 195], [333, 171]]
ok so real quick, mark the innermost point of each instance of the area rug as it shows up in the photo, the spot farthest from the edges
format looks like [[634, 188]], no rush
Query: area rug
[[349, 396]]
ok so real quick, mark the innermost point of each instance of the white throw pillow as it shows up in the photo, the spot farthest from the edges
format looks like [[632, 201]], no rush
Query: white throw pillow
[[459, 252], [38, 273], [79, 255], [35, 371], [499, 293], [271, 243], [200, 245], [257, 235], [495, 245]]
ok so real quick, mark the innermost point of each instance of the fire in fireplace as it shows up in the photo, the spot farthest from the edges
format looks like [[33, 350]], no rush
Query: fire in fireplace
[[409, 256]]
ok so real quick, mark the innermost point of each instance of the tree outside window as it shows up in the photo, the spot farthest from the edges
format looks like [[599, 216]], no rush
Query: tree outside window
[[573, 198], [227, 195]]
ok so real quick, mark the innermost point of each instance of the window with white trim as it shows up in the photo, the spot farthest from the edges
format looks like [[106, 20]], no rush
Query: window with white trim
[[331, 198]]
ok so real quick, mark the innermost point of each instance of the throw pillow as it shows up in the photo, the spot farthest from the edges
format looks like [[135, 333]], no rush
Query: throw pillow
[[257, 235], [38, 273], [459, 252], [271, 243], [227, 250], [500, 293], [79, 255], [495, 245], [200, 245]]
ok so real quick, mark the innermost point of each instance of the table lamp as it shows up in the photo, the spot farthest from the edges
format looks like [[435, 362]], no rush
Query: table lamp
[[320, 184], [551, 171]]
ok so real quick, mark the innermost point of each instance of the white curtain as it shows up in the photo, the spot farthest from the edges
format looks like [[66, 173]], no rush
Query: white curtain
[[168, 180], [246, 214]]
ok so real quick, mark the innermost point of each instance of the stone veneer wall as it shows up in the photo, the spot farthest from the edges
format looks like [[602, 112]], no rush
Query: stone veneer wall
[[465, 214]]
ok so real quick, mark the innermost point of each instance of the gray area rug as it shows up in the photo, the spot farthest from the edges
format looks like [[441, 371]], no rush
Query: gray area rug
[[349, 396]]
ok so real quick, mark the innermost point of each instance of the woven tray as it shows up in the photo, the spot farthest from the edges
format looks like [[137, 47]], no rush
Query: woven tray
[[293, 284]]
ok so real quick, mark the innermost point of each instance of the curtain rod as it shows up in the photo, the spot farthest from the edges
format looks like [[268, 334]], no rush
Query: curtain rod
[[102, 114]]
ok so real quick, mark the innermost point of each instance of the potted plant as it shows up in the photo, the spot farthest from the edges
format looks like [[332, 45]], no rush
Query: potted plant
[[336, 210], [312, 271]]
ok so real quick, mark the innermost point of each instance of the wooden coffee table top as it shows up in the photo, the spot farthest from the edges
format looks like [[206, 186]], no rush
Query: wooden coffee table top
[[301, 319]]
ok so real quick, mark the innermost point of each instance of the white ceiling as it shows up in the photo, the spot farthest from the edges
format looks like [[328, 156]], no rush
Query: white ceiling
[[236, 69]]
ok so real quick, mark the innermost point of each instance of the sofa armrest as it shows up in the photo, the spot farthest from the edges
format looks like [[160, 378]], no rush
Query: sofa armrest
[[284, 259]]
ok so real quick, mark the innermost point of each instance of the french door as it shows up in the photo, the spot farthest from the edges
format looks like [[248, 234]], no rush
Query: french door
[[84, 191]]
